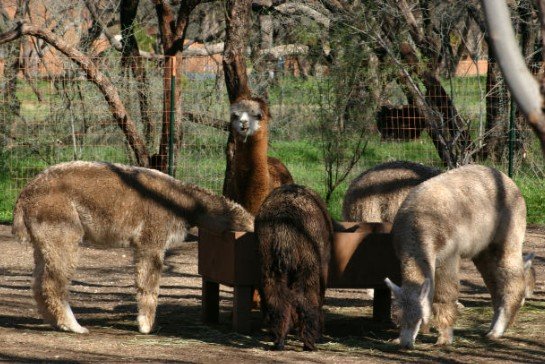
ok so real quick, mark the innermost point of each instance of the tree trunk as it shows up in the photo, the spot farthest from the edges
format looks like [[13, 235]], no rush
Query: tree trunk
[[234, 68], [11, 107], [447, 130], [172, 38], [497, 113], [131, 58]]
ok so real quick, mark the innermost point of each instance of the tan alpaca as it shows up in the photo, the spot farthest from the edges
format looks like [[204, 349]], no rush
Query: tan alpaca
[[256, 175], [376, 194], [110, 205], [471, 212]]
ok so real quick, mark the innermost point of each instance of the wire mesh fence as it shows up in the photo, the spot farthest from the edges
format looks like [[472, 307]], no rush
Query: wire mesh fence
[[51, 113]]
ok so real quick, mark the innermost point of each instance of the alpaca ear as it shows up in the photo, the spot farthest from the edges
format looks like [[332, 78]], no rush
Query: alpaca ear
[[528, 259], [425, 290], [396, 290]]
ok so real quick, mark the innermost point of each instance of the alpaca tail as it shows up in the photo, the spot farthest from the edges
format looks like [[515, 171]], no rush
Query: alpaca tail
[[19, 229]]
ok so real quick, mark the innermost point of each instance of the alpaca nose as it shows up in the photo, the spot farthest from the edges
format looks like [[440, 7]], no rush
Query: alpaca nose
[[244, 121]]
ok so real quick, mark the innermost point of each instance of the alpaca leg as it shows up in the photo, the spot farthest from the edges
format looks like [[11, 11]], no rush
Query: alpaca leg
[[445, 298], [281, 322], [149, 265], [310, 318], [54, 258], [504, 278]]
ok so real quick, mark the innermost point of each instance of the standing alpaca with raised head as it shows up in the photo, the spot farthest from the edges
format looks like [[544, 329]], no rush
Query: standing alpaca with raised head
[[295, 233], [471, 212], [377, 193], [110, 205], [256, 175]]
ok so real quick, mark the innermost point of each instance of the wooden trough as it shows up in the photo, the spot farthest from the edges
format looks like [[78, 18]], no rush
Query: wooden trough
[[362, 256]]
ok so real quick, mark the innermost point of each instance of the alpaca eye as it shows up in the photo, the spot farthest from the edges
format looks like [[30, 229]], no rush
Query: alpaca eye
[[258, 115]]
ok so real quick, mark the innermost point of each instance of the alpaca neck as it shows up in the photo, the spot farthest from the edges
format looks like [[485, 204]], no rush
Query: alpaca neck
[[202, 208], [251, 154], [252, 172], [416, 268]]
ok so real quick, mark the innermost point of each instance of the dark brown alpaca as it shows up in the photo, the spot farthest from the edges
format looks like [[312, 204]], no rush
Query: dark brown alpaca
[[295, 233], [111, 205], [255, 173], [400, 123]]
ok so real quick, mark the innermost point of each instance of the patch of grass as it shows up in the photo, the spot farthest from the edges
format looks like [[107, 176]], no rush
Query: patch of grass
[[532, 190], [203, 163]]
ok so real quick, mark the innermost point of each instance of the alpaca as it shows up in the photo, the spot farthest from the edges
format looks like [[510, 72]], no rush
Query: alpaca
[[110, 205], [400, 123], [471, 212], [376, 194], [255, 173], [295, 234]]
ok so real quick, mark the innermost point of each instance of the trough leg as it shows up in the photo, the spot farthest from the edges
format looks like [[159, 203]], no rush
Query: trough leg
[[242, 307], [382, 305], [210, 301]]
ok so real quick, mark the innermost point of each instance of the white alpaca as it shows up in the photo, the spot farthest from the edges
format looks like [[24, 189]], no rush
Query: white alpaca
[[471, 212]]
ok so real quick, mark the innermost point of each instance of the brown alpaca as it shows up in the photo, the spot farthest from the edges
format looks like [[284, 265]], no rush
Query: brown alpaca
[[400, 123], [255, 173], [295, 233], [110, 205], [471, 212], [376, 194]]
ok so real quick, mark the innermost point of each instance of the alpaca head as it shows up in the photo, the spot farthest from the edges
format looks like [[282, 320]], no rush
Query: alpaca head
[[249, 117], [413, 309]]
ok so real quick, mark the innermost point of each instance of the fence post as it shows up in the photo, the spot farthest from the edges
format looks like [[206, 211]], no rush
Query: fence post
[[511, 141], [172, 119]]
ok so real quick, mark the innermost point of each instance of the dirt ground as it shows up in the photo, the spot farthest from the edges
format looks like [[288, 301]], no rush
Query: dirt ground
[[102, 297]]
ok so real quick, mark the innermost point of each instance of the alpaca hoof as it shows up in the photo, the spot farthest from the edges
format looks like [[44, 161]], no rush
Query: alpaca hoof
[[446, 336], [443, 341], [278, 346], [78, 329], [144, 326], [493, 335], [407, 346], [309, 347]]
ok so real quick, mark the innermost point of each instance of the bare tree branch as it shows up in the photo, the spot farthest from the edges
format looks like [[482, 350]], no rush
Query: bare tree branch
[[91, 6], [524, 87], [284, 50], [294, 8], [109, 91], [236, 79]]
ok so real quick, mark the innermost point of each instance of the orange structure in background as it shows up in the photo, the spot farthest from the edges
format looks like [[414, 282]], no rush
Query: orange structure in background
[[469, 67]]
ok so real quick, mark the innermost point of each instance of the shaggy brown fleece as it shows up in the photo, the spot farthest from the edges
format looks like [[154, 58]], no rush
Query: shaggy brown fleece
[[295, 233]]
